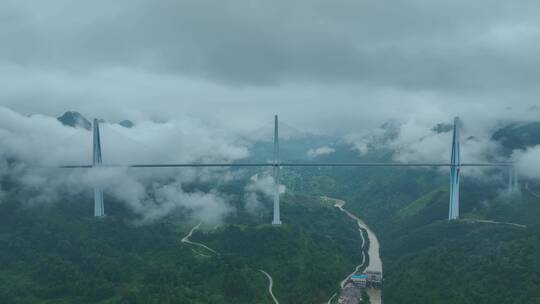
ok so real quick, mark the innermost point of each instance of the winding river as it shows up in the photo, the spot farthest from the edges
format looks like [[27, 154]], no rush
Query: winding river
[[374, 263]]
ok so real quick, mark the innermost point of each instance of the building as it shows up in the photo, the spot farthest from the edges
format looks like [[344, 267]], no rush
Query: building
[[360, 280]]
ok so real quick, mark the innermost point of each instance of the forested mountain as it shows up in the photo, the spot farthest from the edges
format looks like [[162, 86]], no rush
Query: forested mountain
[[518, 136], [58, 253], [490, 255], [75, 120]]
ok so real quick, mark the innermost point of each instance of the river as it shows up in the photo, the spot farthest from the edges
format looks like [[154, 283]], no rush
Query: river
[[375, 262]]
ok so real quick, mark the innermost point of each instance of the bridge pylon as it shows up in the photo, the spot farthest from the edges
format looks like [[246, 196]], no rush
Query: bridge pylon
[[275, 171], [99, 210], [455, 166], [513, 183]]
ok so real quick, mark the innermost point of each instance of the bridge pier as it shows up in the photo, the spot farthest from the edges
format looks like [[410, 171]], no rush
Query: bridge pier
[[99, 210], [455, 166], [513, 184], [275, 168]]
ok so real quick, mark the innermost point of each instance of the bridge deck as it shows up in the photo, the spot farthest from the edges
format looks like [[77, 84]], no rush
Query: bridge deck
[[196, 165]]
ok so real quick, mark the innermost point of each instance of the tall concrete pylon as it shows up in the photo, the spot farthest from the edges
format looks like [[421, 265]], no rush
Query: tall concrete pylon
[[516, 180], [455, 163], [275, 168], [513, 185], [96, 162]]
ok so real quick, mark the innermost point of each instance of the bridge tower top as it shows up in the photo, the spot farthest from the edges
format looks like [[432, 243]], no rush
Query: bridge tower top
[[99, 209], [275, 169], [455, 163], [97, 160], [276, 140]]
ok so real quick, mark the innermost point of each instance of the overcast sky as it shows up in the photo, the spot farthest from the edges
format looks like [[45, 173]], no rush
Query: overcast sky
[[332, 66]]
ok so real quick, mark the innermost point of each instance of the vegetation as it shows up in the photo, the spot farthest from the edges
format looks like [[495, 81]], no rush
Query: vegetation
[[429, 260], [464, 263], [59, 254]]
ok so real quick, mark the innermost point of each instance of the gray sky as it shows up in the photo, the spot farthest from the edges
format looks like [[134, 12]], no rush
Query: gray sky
[[329, 65]]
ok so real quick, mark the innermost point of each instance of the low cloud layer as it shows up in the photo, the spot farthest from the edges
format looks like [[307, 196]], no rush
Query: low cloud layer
[[429, 141], [259, 184], [43, 140], [38, 143], [528, 162], [417, 142]]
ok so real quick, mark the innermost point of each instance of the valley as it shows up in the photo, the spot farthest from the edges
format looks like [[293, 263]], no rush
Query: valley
[[335, 220]]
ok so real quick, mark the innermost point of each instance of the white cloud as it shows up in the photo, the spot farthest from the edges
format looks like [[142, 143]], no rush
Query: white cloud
[[528, 162], [259, 184], [325, 150], [39, 143], [416, 141]]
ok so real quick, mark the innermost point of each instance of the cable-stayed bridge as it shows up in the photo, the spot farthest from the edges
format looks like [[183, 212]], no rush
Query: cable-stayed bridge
[[454, 165]]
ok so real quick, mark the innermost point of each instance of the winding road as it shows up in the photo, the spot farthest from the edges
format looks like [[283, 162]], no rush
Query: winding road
[[270, 279], [270, 285], [495, 222], [187, 241]]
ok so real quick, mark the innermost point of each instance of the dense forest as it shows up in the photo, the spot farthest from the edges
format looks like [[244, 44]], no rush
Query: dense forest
[[59, 254]]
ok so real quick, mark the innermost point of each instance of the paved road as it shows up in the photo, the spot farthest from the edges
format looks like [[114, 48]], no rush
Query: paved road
[[270, 279], [494, 222], [270, 285], [187, 241]]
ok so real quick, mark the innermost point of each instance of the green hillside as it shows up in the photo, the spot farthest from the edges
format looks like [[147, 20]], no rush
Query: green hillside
[[429, 260], [59, 254]]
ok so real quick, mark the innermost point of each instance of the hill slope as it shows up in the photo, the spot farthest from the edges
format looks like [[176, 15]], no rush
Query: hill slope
[[56, 254]]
